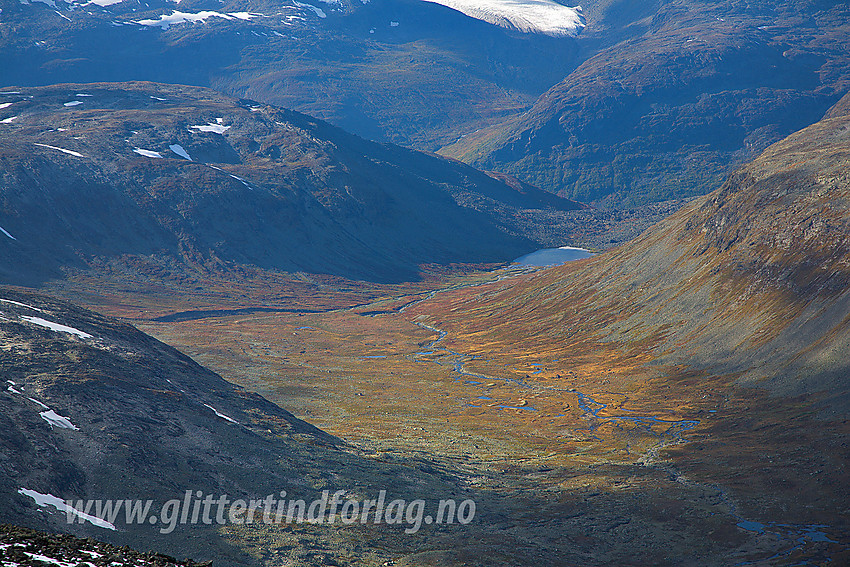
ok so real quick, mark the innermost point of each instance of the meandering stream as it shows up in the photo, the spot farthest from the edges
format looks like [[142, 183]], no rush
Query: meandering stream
[[786, 538]]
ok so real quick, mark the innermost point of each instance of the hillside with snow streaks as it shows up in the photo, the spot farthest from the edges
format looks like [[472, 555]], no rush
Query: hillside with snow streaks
[[529, 16]]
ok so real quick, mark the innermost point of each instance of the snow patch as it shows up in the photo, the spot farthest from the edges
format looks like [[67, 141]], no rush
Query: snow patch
[[74, 103], [221, 415], [56, 420], [59, 504], [4, 231], [45, 559], [69, 152], [180, 151], [530, 16], [318, 11], [6, 105], [19, 304], [242, 181], [50, 3], [147, 153], [8, 120], [236, 177], [56, 326], [33, 400], [177, 17], [215, 128]]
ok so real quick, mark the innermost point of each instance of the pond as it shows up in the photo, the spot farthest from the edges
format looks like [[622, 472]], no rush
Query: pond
[[553, 256]]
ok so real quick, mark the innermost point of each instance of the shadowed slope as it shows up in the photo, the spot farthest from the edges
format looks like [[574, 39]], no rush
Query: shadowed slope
[[187, 179]]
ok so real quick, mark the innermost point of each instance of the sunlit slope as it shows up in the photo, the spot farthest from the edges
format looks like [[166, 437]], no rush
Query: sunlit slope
[[751, 279]]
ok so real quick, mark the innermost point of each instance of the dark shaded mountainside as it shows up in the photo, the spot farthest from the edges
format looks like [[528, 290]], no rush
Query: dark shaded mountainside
[[92, 408], [98, 409], [175, 177], [751, 281], [693, 90]]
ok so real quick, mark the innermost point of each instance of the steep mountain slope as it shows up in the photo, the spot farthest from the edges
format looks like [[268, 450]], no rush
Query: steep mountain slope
[[183, 177], [750, 281], [697, 89], [724, 328], [93, 408]]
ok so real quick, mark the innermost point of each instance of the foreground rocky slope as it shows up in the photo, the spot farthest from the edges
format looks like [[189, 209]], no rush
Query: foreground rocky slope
[[93, 408], [22, 546], [176, 177]]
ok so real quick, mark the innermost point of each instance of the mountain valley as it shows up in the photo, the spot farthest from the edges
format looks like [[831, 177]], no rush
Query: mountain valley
[[668, 394], [261, 265]]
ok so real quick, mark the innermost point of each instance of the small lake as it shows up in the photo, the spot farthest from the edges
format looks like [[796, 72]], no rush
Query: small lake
[[553, 256]]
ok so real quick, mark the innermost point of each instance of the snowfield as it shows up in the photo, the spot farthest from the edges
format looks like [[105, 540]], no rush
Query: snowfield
[[63, 150], [177, 17], [318, 11], [180, 151], [147, 153], [211, 127], [19, 304], [529, 16], [56, 326], [56, 420], [221, 415], [60, 505]]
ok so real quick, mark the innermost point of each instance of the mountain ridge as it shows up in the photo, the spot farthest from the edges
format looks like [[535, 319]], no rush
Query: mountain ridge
[[185, 176], [673, 110]]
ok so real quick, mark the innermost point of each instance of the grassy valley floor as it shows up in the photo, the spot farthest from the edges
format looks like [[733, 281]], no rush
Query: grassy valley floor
[[585, 453]]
